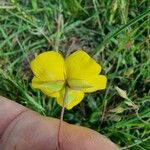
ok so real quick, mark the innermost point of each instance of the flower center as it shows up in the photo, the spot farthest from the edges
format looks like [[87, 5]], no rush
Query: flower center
[[66, 84]]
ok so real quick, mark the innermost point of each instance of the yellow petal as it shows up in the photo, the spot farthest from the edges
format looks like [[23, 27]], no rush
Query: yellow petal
[[50, 93], [89, 84], [49, 66], [72, 98], [51, 85], [49, 71], [80, 65], [50, 88]]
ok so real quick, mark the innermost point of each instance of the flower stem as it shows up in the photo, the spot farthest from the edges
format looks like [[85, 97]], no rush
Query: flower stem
[[59, 127], [61, 120]]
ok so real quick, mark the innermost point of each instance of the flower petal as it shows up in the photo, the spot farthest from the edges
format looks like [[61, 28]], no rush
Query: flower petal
[[51, 85], [72, 98], [50, 93], [49, 71], [49, 66], [89, 84], [50, 88], [80, 65]]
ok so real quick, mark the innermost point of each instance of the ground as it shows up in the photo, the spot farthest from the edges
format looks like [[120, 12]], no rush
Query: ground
[[116, 33]]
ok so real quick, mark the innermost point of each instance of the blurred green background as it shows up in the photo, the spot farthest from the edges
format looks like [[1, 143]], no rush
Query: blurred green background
[[114, 32]]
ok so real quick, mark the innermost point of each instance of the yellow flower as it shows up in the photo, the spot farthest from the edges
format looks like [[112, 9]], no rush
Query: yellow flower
[[68, 79]]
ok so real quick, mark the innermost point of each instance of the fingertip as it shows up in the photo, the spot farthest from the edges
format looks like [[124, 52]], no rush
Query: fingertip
[[43, 131], [81, 138]]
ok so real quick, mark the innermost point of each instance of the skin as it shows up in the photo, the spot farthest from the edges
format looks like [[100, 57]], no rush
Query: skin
[[23, 129]]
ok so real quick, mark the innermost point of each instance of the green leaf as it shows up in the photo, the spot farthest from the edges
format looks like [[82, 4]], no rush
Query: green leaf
[[118, 110], [95, 117], [121, 92], [34, 4]]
